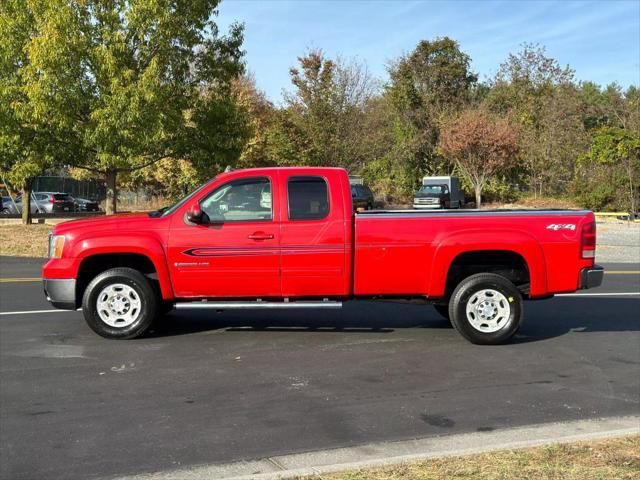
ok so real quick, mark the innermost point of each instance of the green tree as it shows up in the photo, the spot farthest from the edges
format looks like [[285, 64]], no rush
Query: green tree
[[543, 98], [425, 86], [131, 83], [323, 121], [261, 114], [616, 153], [30, 140]]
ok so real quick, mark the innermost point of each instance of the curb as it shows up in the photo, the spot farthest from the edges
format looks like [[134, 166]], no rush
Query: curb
[[390, 453]]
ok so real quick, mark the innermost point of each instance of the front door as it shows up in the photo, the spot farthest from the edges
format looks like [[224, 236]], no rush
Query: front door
[[237, 253]]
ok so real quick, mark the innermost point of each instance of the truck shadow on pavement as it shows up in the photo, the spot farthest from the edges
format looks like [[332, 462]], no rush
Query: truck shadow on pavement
[[543, 319]]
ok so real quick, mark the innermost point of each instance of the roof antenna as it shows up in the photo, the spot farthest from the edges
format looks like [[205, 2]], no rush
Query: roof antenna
[[228, 169]]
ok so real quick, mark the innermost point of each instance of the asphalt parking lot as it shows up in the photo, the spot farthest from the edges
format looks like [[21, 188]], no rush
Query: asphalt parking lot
[[214, 388]]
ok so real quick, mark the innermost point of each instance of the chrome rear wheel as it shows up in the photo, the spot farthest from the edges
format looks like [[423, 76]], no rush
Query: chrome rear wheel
[[488, 310]]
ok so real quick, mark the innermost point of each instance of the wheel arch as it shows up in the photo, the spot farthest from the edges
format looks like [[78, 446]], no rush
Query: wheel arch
[[479, 249], [102, 254]]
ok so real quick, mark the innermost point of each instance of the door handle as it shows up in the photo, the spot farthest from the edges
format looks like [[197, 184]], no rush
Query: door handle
[[261, 236]]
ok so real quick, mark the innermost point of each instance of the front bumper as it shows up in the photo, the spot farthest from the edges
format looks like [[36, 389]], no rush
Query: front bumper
[[427, 206], [61, 292], [591, 277]]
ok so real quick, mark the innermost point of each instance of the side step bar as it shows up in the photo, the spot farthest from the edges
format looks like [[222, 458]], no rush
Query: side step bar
[[242, 305]]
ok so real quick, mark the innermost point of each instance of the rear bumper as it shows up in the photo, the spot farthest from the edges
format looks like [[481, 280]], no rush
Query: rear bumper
[[591, 277], [61, 292]]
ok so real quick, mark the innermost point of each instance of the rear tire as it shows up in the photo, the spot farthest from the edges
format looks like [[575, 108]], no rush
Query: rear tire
[[120, 303], [486, 309]]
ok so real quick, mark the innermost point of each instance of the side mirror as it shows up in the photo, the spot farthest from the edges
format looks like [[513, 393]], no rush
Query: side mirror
[[195, 215]]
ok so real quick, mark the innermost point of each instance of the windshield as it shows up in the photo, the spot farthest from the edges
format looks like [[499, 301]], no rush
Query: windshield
[[163, 212], [433, 189]]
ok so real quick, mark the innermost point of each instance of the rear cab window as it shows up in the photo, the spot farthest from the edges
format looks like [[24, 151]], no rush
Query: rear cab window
[[308, 198]]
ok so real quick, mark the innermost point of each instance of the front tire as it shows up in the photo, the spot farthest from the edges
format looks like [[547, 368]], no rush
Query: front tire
[[486, 309], [119, 303]]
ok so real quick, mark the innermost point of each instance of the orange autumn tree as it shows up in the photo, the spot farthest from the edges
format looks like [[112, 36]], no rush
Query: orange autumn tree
[[481, 144]]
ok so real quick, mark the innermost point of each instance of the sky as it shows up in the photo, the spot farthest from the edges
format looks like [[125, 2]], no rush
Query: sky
[[600, 40]]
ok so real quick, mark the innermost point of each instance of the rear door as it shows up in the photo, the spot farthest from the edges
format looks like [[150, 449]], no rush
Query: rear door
[[238, 254], [313, 236]]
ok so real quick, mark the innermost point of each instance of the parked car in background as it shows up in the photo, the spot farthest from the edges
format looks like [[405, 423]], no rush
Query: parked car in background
[[439, 192], [362, 197], [48, 202], [35, 206], [85, 205], [8, 207]]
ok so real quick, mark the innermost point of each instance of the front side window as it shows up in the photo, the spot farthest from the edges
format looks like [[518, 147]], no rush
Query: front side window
[[308, 198], [240, 200]]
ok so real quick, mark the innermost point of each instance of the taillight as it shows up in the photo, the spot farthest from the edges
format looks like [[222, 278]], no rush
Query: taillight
[[588, 240], [52, 200]]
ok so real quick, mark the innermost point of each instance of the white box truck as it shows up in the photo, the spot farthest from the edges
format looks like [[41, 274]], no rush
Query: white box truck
[[439, 192]]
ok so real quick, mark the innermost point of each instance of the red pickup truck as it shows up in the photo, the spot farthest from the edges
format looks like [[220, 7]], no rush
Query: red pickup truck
[[288, 238]]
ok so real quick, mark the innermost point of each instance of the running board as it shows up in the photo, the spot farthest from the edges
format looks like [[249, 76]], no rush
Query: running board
[[236, 305]]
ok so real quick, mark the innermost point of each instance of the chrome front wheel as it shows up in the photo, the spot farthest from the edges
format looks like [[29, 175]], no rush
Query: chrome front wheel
[[118, 305]]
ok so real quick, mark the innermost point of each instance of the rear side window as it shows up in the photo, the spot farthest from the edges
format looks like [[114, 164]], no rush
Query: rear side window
[[308, 198]]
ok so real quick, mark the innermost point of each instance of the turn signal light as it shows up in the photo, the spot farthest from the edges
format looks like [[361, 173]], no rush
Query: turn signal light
[[56, 244]]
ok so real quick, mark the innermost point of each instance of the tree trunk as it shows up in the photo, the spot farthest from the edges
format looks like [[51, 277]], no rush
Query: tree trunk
[[478, 191], [26, 204], [112, 192]]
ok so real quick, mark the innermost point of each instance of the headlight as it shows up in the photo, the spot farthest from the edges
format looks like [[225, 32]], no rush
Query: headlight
[[56, 244]]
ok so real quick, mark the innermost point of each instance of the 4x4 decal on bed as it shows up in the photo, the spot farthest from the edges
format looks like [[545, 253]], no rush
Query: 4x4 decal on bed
[[561, 226]]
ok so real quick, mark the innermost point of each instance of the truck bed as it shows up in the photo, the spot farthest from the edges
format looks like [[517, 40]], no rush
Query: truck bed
[[411, 251]]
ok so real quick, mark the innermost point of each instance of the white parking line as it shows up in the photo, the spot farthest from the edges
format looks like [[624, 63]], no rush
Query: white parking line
[[27, 312], [609, 294]]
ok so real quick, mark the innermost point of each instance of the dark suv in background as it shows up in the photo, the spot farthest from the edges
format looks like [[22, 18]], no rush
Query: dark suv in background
[[362, 197]]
